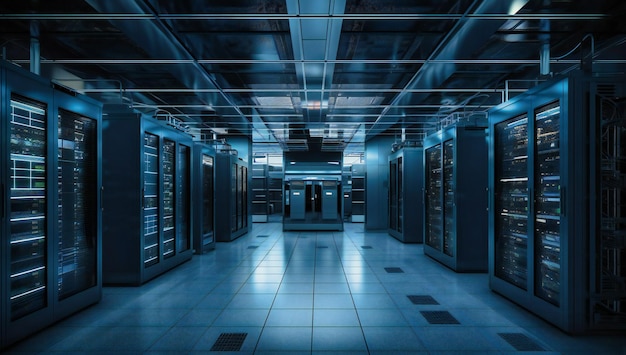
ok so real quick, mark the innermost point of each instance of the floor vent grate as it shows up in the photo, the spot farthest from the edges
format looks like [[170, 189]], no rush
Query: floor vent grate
[[229, 342], [366, 247], [521, 342], [253, 246], [422, 299], [439, 317], [262, 236], [394, 270]]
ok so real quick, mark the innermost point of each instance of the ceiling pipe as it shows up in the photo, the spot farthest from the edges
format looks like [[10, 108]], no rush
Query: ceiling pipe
[[467, 35], [159, 41], [544, 38], [35, 52]]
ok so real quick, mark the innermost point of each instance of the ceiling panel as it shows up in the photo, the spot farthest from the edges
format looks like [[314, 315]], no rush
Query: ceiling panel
[[374, 67]]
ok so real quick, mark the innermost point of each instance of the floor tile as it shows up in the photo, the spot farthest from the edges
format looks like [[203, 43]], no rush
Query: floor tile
[[251, 301], [290, 317], [335, 318], [392, 338], [179, 339], [373, 301], [285, 338], [241, 317], [381, 318], [333, 300], [338, 339], [287, 300], [331, 287]]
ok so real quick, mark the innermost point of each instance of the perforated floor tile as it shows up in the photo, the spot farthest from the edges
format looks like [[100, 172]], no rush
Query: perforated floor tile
[[422, 299], [229, 342], [439, 317], [521, 342], [394, 270]]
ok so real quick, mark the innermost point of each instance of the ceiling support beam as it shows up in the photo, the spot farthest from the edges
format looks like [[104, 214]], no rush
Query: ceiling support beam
[[315, 40]]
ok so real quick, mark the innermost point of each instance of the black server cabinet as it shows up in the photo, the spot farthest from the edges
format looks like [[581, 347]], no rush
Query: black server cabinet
[[147, 207], [455, 214], [358, 193], [346, 182], [203, 201], [546, 222], [260, 202], [50, 185], [231, 195], [405, 195]]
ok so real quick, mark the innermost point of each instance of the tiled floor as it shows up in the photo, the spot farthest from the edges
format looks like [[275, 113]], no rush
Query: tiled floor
[[309, 292]]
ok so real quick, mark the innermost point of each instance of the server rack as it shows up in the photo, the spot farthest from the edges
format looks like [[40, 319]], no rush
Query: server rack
[[203, 198], [147, 215], [346, 181], [50, 214], [260, 203], [275, 189], [231, 175], [405, 195], [455, 180], [358, 193], [552, 249]]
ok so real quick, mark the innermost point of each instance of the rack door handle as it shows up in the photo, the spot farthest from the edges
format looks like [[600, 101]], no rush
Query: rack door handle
[[562, 200], [3, 201], [101, 198]]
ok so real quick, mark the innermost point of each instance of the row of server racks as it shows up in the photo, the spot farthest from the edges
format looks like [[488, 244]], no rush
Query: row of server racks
[[147, 210], [455, 197], [50, 183], [162, 189], [557, 241]]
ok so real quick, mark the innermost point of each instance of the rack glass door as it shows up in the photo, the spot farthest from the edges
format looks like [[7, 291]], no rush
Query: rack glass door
[[77, 205], [28, 215], [547, 203], [400, 193], [449, 230], [183, 221], [511, 200], [169, 188], [151, 199], [433, 197], [393, 195], [207, 199]]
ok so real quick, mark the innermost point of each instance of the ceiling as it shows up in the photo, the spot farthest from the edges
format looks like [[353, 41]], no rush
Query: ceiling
[[312, 74]]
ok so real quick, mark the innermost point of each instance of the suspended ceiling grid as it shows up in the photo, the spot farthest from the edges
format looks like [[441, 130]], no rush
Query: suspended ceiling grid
[[310, 75]]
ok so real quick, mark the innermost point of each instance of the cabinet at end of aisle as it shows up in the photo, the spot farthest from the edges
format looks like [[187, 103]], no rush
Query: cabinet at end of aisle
[[203, 197], [405, 195], [455, 198], [231, 195], [147, 210]]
